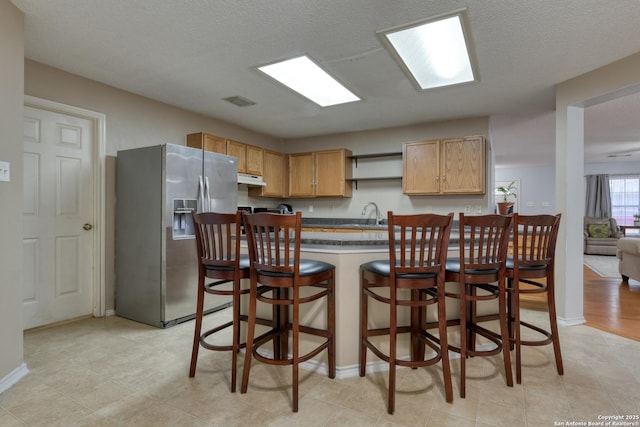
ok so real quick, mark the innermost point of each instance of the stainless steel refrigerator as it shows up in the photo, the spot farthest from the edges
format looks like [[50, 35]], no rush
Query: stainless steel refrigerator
[[157, 188]]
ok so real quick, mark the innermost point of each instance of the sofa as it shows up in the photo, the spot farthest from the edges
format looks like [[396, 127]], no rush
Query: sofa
[[628, 253], [601, 236]]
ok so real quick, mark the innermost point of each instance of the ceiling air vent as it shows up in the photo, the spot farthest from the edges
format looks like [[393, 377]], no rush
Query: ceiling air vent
[[239, 101]]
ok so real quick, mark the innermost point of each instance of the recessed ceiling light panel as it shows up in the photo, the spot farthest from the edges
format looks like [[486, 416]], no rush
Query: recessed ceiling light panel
[[304, 76], [433, 52]]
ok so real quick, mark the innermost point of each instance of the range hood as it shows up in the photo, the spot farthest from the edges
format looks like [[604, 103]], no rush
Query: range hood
[[254, 180]]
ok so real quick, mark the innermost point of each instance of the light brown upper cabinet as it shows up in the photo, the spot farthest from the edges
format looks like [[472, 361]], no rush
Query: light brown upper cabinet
[[302, 173], [207, 142], [448, 166], [255, 160], [249, 156], [274, 173], [320, 174]]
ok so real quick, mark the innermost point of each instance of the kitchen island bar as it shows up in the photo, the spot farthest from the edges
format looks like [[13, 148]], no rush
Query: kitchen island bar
[[347, 251]]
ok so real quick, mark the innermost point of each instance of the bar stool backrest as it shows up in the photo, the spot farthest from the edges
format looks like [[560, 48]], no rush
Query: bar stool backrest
[[217, 238], [483, 241], [535, 239], [274, 242], [418, 243]]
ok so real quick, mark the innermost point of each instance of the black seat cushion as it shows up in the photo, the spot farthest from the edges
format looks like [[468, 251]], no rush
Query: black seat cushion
[[453, 266], [510, 265], [244, 265], [383, 268], [308, 267]]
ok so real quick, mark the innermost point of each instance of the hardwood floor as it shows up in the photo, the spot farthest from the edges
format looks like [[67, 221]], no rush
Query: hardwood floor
[[609, 304], [612, 305]]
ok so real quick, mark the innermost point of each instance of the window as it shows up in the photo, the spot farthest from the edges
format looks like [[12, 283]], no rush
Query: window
[[625, 197]]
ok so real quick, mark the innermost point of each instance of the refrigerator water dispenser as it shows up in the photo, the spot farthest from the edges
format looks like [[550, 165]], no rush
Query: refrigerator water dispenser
[[182, 220]]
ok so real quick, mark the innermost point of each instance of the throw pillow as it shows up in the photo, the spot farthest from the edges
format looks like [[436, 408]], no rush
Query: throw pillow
[[599, 230]]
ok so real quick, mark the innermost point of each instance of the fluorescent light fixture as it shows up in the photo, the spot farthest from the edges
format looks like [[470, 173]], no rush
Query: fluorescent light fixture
[[308, 79], [433, 52]]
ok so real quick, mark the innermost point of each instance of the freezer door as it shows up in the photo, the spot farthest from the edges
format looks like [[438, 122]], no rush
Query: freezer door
[[221, 182], [183, 168]]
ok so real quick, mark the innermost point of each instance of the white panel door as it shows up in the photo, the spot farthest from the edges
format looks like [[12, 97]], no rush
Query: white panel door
[[58, 217]]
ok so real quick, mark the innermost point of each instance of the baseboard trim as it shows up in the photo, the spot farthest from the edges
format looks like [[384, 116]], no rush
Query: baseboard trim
[[343, 372], [571, 321], [110, 312], [14, 376]]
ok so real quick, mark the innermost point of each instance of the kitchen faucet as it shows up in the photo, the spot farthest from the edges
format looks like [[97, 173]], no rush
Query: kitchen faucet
[[378, 217]]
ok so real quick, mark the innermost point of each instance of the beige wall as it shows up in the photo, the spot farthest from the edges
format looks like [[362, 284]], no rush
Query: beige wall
[[11, 88], [131, 121], [135, 121], [616, 79], [388, 194], [391, 139]]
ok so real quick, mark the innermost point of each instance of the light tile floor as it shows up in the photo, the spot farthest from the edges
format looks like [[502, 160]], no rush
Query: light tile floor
[[115, 372]]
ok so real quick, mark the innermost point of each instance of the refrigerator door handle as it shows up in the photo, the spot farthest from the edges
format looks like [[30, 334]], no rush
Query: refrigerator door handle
[[201, 204], [207, 194]]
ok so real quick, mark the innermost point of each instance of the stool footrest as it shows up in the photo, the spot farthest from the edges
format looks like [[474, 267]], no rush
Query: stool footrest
[[548, 337]]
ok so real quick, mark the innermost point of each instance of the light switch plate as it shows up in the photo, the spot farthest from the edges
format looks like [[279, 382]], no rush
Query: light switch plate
[[5, 173]]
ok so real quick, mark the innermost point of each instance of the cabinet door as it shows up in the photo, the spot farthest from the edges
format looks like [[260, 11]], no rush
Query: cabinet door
[[421, 167], [331, 171], [254, 159], [302, 173], [207, 142], [238, 150], [463, 166], [274, 172]]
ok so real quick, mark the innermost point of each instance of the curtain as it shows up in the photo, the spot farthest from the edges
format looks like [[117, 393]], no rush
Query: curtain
[[598, 200]]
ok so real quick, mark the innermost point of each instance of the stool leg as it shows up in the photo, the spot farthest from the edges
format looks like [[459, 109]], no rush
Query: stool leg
[[296, 343], [251, 327], [444, 346], [282, 320], [502, 310], [198, 328], [418, 319], [236, 331], [472, 317], [511, 310], [553, 323], [393, 312], [331, 324], [364, 320], [518, 330], [463, 337]]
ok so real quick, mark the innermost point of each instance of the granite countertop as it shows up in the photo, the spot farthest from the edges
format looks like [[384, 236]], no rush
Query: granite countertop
[[365, 238], [346, 223]]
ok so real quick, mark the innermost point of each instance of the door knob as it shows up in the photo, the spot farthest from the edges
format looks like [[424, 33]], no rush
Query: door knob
[[87, 226]]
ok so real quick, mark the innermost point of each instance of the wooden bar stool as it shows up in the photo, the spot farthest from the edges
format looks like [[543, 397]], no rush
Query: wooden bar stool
[[413, 276], [532, 265], [287, 282], [480, 274], [218, 243]]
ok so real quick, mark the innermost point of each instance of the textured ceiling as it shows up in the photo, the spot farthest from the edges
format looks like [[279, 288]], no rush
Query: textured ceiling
[[194, 53]]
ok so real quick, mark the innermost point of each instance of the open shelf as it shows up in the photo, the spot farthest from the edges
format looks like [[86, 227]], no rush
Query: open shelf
[[355, 158], [373, 178], [374, 156]]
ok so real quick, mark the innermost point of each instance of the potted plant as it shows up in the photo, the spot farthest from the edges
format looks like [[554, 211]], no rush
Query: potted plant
[[636, 218], [507, 191]]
